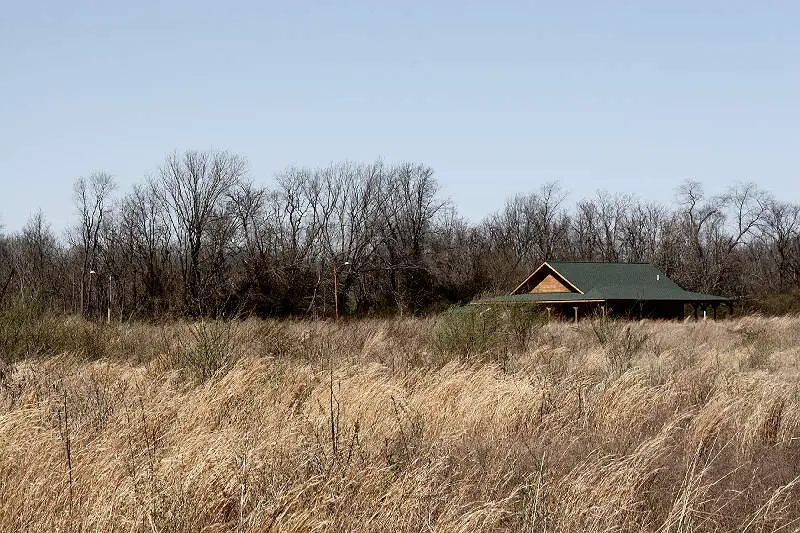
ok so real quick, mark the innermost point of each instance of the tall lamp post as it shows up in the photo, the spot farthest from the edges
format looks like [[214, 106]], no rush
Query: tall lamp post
[[108, 309], [336, 289], [89, 304], [108, 306]]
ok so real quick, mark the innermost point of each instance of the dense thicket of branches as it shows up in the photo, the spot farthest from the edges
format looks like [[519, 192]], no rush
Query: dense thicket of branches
[[199, 238]]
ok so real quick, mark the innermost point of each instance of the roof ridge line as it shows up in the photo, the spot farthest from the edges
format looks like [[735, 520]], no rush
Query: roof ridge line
[[605, 262]]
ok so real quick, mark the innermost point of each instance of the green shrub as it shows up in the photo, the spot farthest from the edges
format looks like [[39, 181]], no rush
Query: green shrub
[[209, 350], [485, 332], [22, 332], [26, 330]]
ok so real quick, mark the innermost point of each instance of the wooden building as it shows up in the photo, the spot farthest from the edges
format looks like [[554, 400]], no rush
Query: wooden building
[[632, 290]]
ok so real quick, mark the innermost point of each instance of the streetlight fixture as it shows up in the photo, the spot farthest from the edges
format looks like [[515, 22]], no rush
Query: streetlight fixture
[[336, 289], [108, 307], [89, 303]]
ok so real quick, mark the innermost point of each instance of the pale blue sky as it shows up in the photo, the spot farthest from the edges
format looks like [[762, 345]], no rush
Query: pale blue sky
[[498, 97]]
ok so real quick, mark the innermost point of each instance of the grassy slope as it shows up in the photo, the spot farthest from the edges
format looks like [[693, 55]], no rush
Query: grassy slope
[[300, 426]]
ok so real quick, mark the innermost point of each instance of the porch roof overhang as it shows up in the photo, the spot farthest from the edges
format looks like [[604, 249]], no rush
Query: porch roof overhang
[[596, 296]]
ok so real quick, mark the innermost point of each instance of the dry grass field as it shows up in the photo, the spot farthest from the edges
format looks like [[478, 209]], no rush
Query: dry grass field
[[400, 425]]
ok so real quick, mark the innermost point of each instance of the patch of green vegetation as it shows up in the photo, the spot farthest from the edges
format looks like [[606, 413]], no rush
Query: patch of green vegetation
[[28, 331], [486, 332]]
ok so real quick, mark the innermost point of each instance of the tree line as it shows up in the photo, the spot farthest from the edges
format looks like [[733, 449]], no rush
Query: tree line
[[199, 238]]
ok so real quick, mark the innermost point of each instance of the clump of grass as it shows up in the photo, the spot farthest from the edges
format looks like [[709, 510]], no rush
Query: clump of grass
[[758, 346], [198, 350], [621, 341]]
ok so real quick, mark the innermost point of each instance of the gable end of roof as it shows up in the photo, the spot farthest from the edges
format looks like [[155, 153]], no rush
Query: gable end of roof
[[546, 265]]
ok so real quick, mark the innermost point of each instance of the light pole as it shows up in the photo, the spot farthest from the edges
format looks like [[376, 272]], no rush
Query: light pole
[[108, 316], [89, 305], [336, 289]]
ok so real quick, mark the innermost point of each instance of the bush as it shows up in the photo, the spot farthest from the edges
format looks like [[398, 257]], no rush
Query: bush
[[209, 350], [486, 332], [28, 331], [775, 304]]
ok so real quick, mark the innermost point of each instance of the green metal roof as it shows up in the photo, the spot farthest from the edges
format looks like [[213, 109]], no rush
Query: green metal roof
[[613, 281], [586, 276], [538, 297]]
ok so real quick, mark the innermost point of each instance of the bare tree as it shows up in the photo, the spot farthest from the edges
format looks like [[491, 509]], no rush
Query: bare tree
[[192, 189], [748, 207], [92, 203], [612, 212], [199, 239], [7, 270], [701, 221], [257, 248], [37, 251], [780, 239], [585, 231], [713, 229], [533, 227], [697, 214], [463, 262], [407, 219], [144, 243], [351, 234], [641, 231]]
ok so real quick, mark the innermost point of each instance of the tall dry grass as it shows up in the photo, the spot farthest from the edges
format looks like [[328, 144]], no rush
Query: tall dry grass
[[377, 425]]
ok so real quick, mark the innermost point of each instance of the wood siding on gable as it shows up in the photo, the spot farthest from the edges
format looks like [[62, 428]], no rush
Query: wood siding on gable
[[550, 284]]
